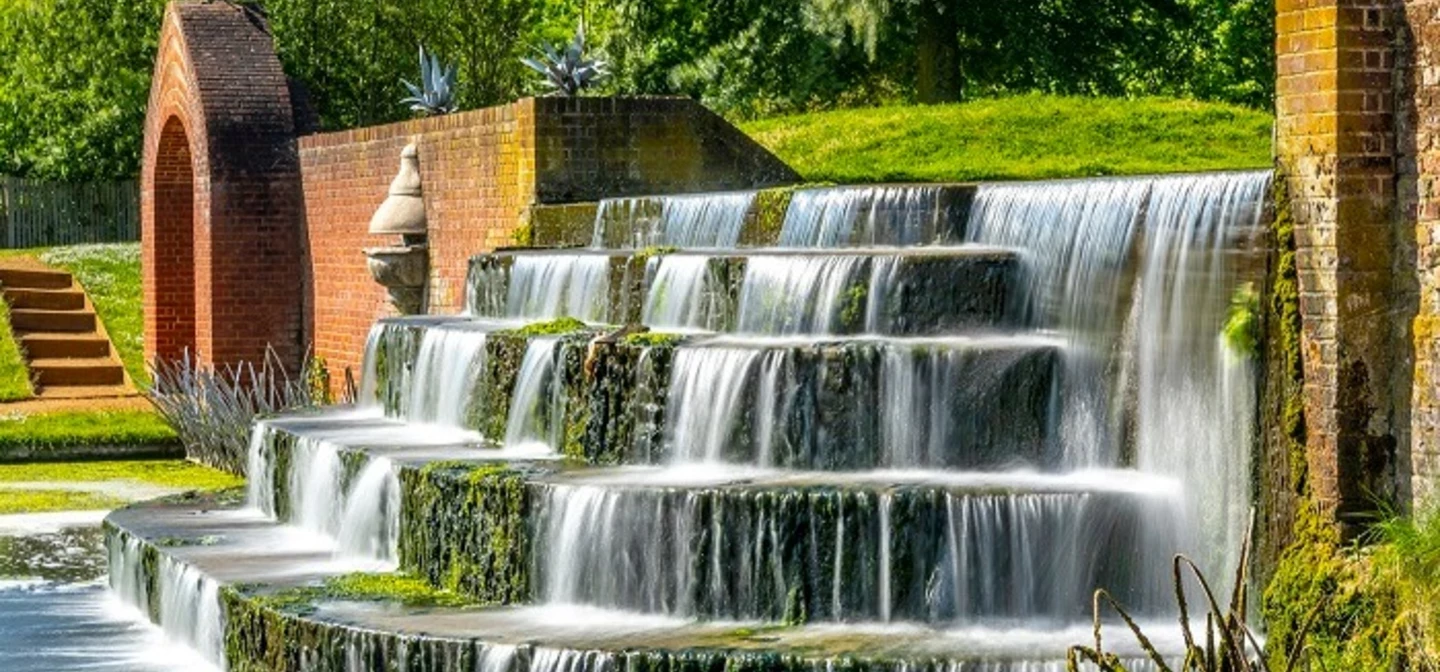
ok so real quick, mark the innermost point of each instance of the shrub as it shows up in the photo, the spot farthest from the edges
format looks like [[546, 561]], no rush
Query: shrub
[[212, 409]]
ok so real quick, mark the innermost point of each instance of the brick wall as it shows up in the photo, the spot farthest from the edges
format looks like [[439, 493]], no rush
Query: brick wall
[[1417, 79], [220, 198], [1357, 105], [481, 171], [252, 238]]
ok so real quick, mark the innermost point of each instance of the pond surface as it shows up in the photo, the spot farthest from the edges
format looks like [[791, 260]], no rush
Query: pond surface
[[56, 612]]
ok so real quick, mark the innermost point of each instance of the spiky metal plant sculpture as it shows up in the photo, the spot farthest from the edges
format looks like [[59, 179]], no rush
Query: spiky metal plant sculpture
[[436, 91], [567, 72]]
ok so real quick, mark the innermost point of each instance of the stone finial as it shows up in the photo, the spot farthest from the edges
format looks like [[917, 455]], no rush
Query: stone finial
[[403, 211]]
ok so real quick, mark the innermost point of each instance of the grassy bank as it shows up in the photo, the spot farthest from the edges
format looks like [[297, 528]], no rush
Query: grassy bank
[[83, 428], [15, 383], [1018, 138]]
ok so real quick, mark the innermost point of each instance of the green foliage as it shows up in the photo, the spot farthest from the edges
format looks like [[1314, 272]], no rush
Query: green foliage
[[74, 83], [83, 428], [1024, 137], [110, 274], [1242, 322], [651, 339], [75, 74], [14, 374]]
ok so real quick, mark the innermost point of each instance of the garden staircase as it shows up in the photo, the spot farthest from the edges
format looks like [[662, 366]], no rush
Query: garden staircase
[[68, 351]]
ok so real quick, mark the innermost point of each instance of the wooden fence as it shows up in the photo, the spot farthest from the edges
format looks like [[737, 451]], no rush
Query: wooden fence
[[41, 214]]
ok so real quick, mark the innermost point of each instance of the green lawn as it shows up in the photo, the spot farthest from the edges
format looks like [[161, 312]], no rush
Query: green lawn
[[83, 428], [161, 473], [15, 381], [1023, 137], [110, 274]]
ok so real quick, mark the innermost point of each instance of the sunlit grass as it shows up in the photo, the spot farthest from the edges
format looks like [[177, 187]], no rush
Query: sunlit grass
[[1017, 138], [80, 428]]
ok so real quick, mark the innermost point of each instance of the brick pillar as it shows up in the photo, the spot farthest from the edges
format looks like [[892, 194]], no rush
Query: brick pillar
[[221, 207], [1335, 100]]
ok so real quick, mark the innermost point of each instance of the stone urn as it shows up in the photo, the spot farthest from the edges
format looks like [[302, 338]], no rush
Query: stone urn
[[402, 269]]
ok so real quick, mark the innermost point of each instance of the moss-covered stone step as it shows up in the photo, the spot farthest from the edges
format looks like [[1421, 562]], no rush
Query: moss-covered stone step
[[228, 585], [911, 291], [981, 402]]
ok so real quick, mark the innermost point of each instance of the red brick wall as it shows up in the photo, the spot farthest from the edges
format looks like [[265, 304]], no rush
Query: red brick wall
[[480, 171], [222, 267]]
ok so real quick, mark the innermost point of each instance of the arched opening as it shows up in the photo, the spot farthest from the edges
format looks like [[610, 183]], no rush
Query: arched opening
[[173, 275]]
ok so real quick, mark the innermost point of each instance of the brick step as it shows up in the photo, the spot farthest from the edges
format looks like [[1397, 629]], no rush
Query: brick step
[[46, 299], [31, 319], [89, 371], [25, 278], [49, 345]]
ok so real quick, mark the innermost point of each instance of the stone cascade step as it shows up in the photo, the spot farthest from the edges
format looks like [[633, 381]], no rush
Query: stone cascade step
[[205, 574], [936, 547], [982, 402], [911, 291], [60, 334]]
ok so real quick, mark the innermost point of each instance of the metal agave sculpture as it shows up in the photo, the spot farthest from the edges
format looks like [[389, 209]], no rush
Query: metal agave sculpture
[[436, 92], [566, 70]]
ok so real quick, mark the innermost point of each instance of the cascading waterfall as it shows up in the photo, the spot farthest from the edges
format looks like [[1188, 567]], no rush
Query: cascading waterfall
[[1078, 239], [848, 554], [317, 482], [696, 220], [447, 370], [189, 608], [955, 402], [537, 408], [802, 295], [819, 458], [879, 215], [547, 286], [370, 525], [1185, 374], [677, 296]]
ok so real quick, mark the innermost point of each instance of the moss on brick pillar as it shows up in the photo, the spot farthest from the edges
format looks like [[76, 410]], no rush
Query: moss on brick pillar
[[1336, 153]]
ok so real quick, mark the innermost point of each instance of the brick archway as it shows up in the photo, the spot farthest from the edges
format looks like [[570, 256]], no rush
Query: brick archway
[[221, 204]]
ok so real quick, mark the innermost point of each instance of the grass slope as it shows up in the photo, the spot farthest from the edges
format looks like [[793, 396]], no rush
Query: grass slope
[[176, 474], [110, 274], [15, 381], [1018, 138]]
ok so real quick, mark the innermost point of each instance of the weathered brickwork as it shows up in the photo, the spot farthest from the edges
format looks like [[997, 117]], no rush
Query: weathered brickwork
[[220, 197], [1358, 108], [1418, 146], [481, 171]]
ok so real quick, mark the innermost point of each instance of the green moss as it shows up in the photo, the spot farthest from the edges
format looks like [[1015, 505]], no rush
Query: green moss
[[564, 325], [464, 529], [770, 207], [652, 339], [1284, 314], [646, 253], [523, 235], [1242, 321], [853, 310]]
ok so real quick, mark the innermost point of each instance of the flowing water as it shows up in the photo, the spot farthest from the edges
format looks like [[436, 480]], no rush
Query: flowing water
[[697, 220], [842, 439], [878, 215]]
